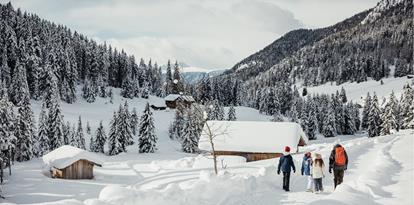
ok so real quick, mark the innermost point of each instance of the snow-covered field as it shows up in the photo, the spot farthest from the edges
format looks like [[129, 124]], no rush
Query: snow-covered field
[[380, 169], [358, 91]]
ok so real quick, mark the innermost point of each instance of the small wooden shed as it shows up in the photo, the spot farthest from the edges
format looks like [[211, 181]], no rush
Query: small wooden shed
[[172, 100], [69, 162], [252, 139]]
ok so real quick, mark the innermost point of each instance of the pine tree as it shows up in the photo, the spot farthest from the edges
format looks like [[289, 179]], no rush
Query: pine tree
[[329, 127], [124, 130], [100, 139], [7, 134], [189, 143], [24, 135], [407, 113], [88, 128], [67, 133], [147, 138], [277, 117], [79, 135], [389, 115], [134, 121], [168, 79], [176, 128], [342, 96], [365, 112], [19, 87], [92, 145], [177, 84], [43, 132], [374, 118], [55, 123], [231, 114], [114, 143], [348, 127]]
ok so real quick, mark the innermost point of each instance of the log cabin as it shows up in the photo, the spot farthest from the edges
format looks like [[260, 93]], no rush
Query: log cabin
[[252, 140], [172, 100], [69, 162]]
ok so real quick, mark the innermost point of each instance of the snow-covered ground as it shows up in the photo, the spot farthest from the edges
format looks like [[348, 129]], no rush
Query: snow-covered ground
[[380, 169], [358, 91]]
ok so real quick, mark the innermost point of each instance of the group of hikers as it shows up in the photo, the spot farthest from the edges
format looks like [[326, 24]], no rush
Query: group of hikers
[[313, 167]]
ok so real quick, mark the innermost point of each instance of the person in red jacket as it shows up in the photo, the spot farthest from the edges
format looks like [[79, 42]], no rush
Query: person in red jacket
[[338, 161]]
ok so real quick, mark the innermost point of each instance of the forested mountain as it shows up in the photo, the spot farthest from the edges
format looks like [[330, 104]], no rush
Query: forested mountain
[[286, 46], [371, 45], [48, 52]]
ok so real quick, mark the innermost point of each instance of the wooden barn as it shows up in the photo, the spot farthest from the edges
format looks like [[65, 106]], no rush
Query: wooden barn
[[69, 162], [252, 140], [172, 100]]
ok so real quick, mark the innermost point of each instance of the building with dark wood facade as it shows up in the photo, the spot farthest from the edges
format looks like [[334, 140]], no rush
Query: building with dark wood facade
[[172, 100]]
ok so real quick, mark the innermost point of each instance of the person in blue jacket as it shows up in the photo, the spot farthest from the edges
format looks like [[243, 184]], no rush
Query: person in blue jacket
[[286, 163], [306, 170]]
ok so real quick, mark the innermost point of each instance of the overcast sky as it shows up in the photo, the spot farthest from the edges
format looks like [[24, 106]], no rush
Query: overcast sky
[[212, 34]]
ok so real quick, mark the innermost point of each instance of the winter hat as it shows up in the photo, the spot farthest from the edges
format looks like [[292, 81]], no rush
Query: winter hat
[[287, 149], [318, 156]]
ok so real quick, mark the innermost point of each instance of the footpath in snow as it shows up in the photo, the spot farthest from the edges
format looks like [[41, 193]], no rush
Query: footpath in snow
[[380, 172]]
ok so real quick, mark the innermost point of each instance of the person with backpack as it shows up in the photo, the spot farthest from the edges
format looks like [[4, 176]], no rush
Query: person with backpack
[[306, 170], [286, 164], [338, 161], [318, 172]]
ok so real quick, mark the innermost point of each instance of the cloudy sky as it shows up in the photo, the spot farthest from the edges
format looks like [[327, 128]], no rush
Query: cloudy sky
[[212, 34]]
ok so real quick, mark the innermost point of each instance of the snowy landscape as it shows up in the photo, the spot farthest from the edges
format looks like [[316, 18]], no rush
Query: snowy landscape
[[85, 123]]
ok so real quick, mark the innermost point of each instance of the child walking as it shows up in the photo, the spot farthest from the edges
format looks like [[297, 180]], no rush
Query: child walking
[[306, 170], [318, 172], [285, 164]]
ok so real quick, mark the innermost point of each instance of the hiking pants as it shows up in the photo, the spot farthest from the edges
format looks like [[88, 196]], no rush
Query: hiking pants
[[286, 178], [338, 176], [310, 183], [318, 184]]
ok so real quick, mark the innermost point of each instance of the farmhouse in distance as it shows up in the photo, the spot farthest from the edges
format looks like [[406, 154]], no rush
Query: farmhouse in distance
[[252, 139]]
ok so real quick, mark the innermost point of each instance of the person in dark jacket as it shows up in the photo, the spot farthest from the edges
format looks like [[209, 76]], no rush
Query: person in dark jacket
[[286, 164], [338, 161]]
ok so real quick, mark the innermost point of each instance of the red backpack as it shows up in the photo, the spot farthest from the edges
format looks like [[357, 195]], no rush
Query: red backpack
[[340, 158]]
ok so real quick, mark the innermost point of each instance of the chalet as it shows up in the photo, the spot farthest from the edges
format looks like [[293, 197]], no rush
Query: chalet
[[69, 162], [252, 140], [172, 100], [158, 104]]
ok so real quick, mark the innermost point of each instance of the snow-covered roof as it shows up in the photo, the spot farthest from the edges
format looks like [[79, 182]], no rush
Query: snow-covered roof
[[172, 97], [252, 136], [158, 102], [66, 155]]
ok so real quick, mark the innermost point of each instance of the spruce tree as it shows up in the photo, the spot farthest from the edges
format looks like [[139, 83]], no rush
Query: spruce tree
[[407, 113], [67, 135], [55, 123], [374, 118], [365, 112], [389, 115], [176, 128], [88, 128], [79, 135], [24, 135], [147, 138], [329, 127], [100, 139], [114, 143], [43, 132], [277, 117], [231, 114], [134, 121], [19, 87], [189, 143], [92, 146], [348, 120]]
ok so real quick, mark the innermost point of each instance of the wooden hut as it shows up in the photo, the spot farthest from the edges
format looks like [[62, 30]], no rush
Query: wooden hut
[[172, 100], [252, 140], [69, 162]]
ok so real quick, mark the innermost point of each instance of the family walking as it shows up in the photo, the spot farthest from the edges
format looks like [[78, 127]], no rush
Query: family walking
[[313, 167]]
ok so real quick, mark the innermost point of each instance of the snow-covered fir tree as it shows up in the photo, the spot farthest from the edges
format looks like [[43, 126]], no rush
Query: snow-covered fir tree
[[67, 133], [115, 145], [328, 125], [124, 131], [55, 124], [406, 112], [176, 128], [365, 112], [147, 139], [42, 134], [24, 134], [189, 142], [99, 139], [88, 128], [389, 115], [134, 121], [79, 136], [231, 116], [277, 117], [374, 118]]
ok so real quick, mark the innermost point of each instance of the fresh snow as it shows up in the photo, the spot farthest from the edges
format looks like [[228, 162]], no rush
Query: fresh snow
[[251, 136], [358, 91], [67, 155], [380, 169]]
